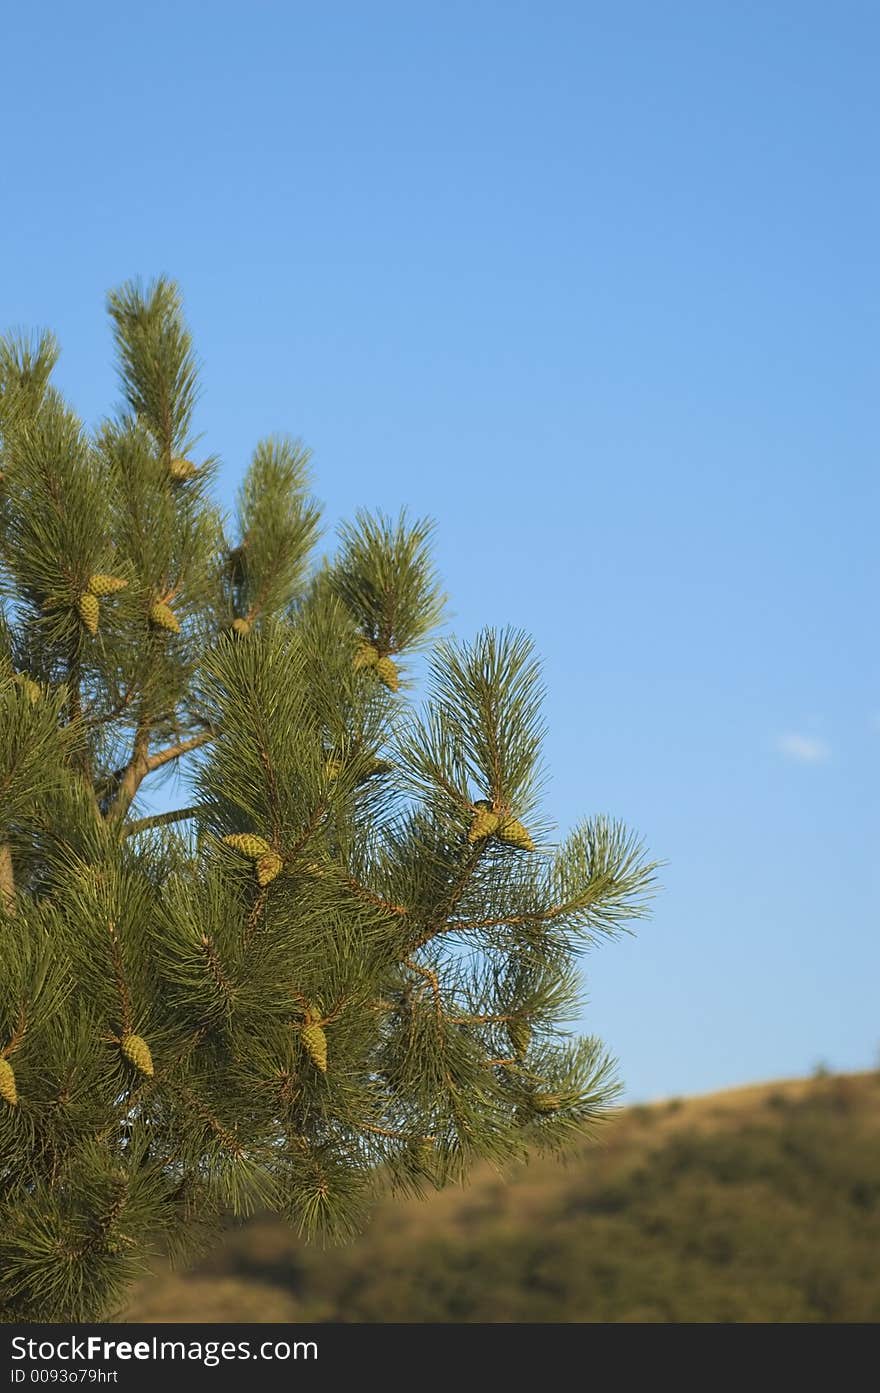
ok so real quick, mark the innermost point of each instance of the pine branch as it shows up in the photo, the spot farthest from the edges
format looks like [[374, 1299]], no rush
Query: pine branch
[[278, 523], [120, 982], [128, 780], [156, 761], [18, 1033], [313, 823], [440, 923], [536, 916], [386, 577], [75, 719], [91, 722], [394, 1136], [143, 824], [372, 898], [252, 922], [431, 978], [156, 363], [215, 967], [74, 701], [223, 1135]]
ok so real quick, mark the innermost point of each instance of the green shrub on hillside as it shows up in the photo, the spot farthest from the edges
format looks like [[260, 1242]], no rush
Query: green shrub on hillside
[[767, 1214]]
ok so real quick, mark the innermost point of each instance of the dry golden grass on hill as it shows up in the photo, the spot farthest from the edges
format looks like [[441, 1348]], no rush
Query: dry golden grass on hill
[[758, 1203]]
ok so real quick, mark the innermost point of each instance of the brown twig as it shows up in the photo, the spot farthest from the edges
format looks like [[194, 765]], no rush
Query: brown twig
[[539, 916], [225, 1137], [370, 895], [18, 1034], [7, 880], [311, 827], [93, 721], [119, 973], [216, 967], [431, 977], [388, 1132], [255, 915], [438, 925], [480, 1020]]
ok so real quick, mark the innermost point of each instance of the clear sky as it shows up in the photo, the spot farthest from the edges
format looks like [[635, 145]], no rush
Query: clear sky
[[595, 285]]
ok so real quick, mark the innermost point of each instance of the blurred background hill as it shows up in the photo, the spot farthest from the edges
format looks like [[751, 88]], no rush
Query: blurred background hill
[[755, 1204]]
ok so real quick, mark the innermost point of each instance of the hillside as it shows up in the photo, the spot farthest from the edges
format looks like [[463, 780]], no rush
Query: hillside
[[760, 1203]]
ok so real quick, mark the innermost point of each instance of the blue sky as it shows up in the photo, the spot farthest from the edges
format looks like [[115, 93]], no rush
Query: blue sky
[[596, 286]]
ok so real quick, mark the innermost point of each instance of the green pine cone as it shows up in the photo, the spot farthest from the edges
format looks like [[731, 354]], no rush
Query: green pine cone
[[514, 834], [546, 1102], [8, 1090], [137, 1052], [315, 1042], [483, 824], [268, 867], [32, 690], [162, 616], [366, 656], [386, 671], [248, 844], [375, 768], [519, 1033], [89, 611], [100, 584], [423, 1152], [182, 469], [235, 563]]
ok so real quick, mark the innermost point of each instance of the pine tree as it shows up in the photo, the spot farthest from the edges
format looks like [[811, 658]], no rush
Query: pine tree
[[346, 962]]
